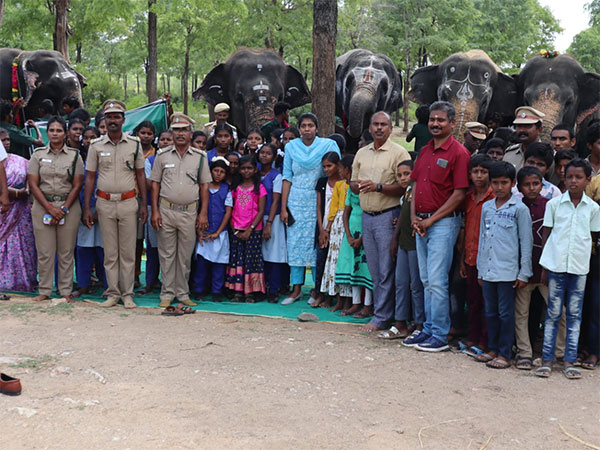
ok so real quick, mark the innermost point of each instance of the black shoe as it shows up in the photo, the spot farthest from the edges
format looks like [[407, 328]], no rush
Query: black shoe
[[273, 297]]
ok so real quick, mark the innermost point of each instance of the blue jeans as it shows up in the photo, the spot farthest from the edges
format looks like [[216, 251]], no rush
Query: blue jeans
[[435, 251], [85, 258], [407, 280], [500, 316], [568, 289]]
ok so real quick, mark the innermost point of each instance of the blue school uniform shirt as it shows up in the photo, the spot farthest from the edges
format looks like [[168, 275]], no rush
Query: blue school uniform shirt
[[505, 242]]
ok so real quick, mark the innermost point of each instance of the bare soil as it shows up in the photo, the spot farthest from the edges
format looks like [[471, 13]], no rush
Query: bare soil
[[122, 379]]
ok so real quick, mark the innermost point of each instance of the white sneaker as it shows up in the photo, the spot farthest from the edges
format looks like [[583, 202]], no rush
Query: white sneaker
[[290, 300]]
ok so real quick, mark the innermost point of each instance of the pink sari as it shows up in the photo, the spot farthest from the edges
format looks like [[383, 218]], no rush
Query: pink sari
[[18, 258]]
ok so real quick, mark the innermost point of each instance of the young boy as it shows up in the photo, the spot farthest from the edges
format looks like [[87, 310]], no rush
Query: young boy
[[540, 155], [529, 181], [494, 148], [479, 167], [561, 159], [567, 245], [503, 262]]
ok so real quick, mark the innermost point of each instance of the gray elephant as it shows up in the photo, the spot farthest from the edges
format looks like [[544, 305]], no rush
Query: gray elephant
[[251, 82], [364, 84], [472, 83], [560, 88], [42, 74]]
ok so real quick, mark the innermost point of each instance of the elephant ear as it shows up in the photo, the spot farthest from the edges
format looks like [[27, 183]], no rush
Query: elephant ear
[[423, 85], [296, 90], [81, 78], [211, 88], [395, 100], [30, 78], [505, 98], [589, 101]]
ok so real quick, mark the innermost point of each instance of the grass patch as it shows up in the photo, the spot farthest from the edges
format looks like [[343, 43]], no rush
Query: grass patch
[[21, 309], [60, 309], [32, 363]]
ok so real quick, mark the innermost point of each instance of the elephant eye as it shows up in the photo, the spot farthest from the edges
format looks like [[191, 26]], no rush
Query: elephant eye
[[486, 75], [452, 69]]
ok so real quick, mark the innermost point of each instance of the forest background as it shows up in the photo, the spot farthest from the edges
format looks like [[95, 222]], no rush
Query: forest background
[[111, 42]]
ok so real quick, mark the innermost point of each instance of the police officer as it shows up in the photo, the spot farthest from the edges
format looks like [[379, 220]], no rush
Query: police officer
[[475, 134], [55, 179], [221, 115], [528, 127], [119, 161], [180, 178]]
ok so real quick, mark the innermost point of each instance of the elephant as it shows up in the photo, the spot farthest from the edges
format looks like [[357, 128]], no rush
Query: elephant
[[560, 88], [42, 74], [251, 82], [472, 82], [364, 84]]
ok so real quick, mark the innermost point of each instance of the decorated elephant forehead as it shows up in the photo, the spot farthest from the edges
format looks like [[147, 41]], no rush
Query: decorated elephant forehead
[[451, 77]]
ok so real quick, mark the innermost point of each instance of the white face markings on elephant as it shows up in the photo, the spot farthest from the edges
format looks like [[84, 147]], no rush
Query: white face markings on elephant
[[369, 77], [262, 90], [259, 67], [217, 87]]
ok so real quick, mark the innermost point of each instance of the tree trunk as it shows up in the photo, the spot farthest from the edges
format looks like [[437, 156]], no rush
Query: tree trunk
[[151, 70], [164, 86], [406, 89], [78, 48], [323, 80], [184, 78], [125, 86], [61, 27], [168, 83], [1, 12], [137, 80]]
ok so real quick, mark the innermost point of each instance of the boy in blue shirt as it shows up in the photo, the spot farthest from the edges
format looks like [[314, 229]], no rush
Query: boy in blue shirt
[[505, 237], [569, 222]]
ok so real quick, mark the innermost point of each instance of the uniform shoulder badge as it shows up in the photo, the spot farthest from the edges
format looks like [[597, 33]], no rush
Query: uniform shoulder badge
[[134, 138], [164, 150], [98, 139]]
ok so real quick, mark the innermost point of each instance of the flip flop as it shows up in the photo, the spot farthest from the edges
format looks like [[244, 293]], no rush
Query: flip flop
[[498, 363], [185, 309], [524, 364], [484, 358], [392, 333], [543, 371], [572, 373], [589, 364], [172, 311]]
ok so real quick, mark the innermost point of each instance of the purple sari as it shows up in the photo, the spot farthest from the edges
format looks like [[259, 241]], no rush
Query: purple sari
[[18, 258]]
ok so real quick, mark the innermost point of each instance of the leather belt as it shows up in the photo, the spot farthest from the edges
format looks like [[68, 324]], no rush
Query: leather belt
[[115, 197], [428, 215], [56, 197], [177, 207], [383, 211]]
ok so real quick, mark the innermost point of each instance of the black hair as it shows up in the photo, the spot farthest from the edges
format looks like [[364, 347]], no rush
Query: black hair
[[406, 162], [163, 132], [223, 126], [592, 134], [91, 128], [3, 130], [495, 117], [331, 157], [75, 122], [564, 126], [5, 108], [494, 143], [540, 150], [80, 114], [347, 160], [72, 101], [564, 153], [446, 107], [276, 133], [281, 107], [481, 160], [528, 171], [220, 163], [339, 140], [47, 105], [60, 121], [273, 149], [501, 169], [198, 133], [99, 117], [308, 116], [579, 162], [255, 131], [144, 124], [236, 154], [507, 134], [237, 177], [422, 113], [292, 130]]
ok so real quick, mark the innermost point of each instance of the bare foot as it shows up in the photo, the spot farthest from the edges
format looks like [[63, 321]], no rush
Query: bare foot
[[366, 311], [338, 306], [41, 298], [326, 303], [69, 299], [369, 328], [352, 310]]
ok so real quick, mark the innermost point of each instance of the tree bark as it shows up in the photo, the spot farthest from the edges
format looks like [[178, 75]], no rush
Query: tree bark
[[152, 66], [125, 86], [184, 78], [1, 12], [137, 79], [78, 48], [406, 89], [61, 27], [323, 80]]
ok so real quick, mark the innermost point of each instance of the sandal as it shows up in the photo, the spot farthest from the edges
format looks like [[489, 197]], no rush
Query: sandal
[[572, 372], [392, 333], [484, 358], [543, 371], [458, 347], [524, 364], [473, 351], [362, 315], [237, 298], [172, 311], [185, 309], [589, 363], [498, 363]]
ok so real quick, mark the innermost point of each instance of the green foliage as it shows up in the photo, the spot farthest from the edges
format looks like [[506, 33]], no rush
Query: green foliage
[[586, 48], [100, 87], [594, 9]]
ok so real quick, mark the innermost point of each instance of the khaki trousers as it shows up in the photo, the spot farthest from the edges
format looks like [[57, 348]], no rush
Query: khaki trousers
[[118, 225], [176, 243], [55, 240], [522, 302]]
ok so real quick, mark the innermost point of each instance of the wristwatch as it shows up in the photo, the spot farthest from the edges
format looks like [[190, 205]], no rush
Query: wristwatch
[[379, 187], [64, 209]]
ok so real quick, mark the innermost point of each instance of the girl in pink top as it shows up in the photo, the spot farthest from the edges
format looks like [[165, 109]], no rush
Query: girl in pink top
[[245, 273]]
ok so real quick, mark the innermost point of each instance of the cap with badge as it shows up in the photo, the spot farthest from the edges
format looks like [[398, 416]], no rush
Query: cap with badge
[[220, 107], [477, 130], [112, 106], [180, 120], [526, 115]]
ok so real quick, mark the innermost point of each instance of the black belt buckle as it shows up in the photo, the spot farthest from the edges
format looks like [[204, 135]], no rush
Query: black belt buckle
[[424, 215]]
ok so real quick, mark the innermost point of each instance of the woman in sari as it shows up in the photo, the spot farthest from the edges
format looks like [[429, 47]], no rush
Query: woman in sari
[[18, 268], [301, 170]]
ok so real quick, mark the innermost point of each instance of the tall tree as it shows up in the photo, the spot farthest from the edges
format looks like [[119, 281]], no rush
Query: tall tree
[[61, 27], [1, 12], [585, 48], [323, 82], [152, 61]]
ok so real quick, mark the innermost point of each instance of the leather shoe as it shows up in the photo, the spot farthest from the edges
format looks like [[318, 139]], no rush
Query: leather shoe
[[188, 302], [111, 301], [9, 385]]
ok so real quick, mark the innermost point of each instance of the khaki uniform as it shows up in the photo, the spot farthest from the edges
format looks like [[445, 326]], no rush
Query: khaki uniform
[[116, 165], [515, 155], [56, 172], [180, 178]]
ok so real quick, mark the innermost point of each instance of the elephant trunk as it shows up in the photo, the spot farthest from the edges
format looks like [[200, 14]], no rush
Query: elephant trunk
[[466, 111], [552, 107], [258, 112], [361, 108]]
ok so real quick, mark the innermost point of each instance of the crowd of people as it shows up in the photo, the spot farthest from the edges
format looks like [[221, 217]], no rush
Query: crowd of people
[[474, 248]]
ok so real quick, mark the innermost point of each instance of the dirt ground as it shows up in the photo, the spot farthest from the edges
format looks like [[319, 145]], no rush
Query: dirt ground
[[121, 379]]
